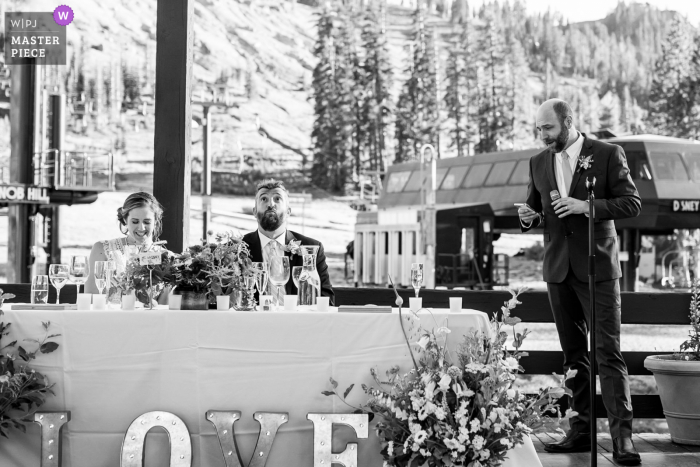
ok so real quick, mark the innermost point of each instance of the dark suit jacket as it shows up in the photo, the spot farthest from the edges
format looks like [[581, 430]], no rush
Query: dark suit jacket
[[256, 255], [616, 197]]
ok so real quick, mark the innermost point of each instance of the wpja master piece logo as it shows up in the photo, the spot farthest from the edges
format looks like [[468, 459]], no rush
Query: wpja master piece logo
[[37, 37]]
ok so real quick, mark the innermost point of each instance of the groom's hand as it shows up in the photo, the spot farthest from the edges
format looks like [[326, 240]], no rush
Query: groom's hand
[[567, 206]]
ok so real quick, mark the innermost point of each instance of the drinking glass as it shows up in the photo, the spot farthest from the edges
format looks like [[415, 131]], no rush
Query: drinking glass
[[261, 276], [102, 274], [79, 270], [416, 276], [40, 289], [279, 272], [296, 272], [58, 273]]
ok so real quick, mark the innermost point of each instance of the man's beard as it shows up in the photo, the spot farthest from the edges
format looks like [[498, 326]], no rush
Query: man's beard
[[561, 139], [270, 220]]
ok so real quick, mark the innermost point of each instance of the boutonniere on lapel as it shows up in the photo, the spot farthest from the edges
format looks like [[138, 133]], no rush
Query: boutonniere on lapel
[[584, 162], [293, 247]]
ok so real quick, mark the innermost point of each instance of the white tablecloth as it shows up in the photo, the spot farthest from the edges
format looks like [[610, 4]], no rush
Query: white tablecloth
[[113, 366]]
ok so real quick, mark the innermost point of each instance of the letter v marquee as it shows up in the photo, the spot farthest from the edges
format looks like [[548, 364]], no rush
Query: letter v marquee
[[269, 424]]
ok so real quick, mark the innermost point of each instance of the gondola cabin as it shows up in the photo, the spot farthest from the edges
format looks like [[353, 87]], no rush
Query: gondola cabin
[[448, 215]]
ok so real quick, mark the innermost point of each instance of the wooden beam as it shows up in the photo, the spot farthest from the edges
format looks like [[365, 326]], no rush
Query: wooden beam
[[172, 141]]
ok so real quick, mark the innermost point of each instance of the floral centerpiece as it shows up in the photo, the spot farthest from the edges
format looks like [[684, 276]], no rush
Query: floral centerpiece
[[461, 408], [218, 267], [22, 389], [146, 281]]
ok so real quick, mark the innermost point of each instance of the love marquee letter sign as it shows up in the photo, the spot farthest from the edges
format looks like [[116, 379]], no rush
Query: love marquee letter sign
[[223, 421]]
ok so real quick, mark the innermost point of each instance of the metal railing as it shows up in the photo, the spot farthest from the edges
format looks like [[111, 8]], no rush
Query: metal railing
[[73, 170]]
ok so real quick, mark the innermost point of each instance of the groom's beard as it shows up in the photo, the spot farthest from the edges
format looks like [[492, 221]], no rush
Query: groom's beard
[[270, 220]]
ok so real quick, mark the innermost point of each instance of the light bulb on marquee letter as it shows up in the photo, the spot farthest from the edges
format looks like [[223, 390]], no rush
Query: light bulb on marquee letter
[[323, 437]]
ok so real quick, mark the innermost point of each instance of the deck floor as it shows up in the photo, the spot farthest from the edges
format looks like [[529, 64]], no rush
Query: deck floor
[[656, 449]]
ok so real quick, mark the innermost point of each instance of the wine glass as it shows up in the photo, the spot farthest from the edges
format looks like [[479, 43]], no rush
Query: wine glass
[[79, 270], [279, 272], [58, 273], [261, 276], [296, 272], [102, 274], [416, 276]]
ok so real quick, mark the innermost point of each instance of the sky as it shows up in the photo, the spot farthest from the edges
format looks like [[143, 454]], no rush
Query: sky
[[586, 10]]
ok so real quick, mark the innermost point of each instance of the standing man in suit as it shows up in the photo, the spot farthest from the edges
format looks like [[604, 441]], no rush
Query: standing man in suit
[[571, 158], [272, 210]]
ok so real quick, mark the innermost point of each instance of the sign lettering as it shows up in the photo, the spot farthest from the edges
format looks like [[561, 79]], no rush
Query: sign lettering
[[149, 259], [181, 445], [51, 426], [135, 439], [18, 193], [323, 437], [269, 424], [686, 205]]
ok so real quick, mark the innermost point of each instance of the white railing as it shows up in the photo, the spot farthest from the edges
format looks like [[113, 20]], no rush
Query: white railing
[[89, 170]]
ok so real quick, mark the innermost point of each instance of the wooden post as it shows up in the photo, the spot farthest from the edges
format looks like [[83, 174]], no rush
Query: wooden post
[[171, 164]]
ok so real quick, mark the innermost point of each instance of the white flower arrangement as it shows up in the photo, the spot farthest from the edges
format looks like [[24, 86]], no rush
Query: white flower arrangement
[[465, 412]]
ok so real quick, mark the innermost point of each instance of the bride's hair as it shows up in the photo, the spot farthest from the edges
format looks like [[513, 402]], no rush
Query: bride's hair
[[141, 200]]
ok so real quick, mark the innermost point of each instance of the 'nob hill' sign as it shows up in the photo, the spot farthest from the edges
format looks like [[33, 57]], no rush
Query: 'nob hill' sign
[[19, 193]]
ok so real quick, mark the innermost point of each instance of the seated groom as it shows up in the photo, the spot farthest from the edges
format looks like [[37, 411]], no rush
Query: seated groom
[[272, 210]]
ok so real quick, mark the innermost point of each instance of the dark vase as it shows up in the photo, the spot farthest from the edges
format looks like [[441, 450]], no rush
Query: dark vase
[[192, 299]]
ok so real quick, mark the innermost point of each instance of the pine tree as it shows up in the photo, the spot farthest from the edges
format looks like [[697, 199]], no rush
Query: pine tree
[[671, 105], [324, 167], [417, 109], [377, 84], [494, 122], [459, 92]]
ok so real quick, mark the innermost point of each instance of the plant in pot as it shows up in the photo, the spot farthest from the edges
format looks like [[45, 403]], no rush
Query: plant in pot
[[230, 270], [190, 277], [146, 282], [216, 269], [678, 380]]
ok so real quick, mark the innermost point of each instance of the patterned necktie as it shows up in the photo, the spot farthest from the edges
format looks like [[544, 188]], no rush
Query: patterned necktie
[[568, 175], [270, 250]]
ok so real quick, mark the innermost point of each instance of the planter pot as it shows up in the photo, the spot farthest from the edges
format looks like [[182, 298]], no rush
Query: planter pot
[[192, 300], [678, 382]]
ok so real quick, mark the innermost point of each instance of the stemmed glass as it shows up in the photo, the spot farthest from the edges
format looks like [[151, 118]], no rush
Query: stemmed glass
[[279, 272], [102, 275], [261, 276], [296, 272], [416, 276], [58, 273], [79, 270]]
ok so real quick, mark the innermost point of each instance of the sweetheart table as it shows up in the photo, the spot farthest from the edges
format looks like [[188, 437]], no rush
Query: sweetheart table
[[113, 366]]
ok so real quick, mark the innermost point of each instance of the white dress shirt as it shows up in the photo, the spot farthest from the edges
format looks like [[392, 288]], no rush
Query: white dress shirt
[[573, 151]]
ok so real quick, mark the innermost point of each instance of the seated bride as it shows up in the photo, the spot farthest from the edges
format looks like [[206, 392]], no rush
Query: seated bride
[[140, 220]]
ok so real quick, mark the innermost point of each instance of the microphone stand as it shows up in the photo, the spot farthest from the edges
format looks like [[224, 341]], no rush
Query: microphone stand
[[590, 184]]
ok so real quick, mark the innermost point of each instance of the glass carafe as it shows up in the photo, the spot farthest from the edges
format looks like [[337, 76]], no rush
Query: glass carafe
[[309, 280]]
